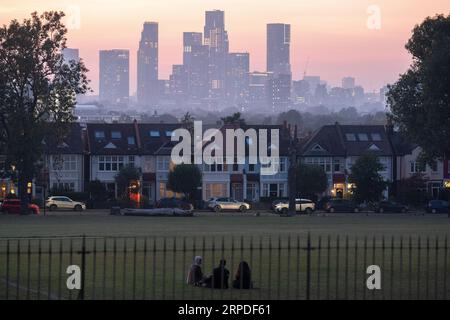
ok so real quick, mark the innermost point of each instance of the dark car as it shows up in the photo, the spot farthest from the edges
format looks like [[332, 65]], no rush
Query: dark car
[[174, 203], [390, 206], [341, 205], [438, 206], [13, 206]]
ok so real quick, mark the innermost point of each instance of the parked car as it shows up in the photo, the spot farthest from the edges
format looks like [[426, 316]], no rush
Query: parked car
[[61, 202], [438, 206], [390, 206], [341, 205], [227, 204], [301, 205], [174, 203], [13, 206]]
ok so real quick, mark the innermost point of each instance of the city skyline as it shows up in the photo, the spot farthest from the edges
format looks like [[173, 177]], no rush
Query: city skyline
[[333, 37]]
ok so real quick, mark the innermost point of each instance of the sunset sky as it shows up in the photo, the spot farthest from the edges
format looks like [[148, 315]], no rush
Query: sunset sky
[[333, 34]]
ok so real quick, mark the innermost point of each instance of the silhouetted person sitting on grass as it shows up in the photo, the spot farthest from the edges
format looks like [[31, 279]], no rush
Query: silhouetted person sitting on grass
[[195, 274], [243, 278], [219, 278]]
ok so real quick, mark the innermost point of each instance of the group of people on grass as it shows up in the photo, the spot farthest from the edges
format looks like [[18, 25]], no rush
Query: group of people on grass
[[220, 276]]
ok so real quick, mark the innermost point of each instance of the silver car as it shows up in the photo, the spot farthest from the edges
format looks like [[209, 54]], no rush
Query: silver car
[[61, 202], [227, 204], [301, 205]]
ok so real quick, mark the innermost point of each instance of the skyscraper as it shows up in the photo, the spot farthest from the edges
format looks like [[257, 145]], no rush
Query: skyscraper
[[147, 65], [216, 39], [237, 83], [278, 47], [195, 62], [114, 76], [70, 54], [279, 66]]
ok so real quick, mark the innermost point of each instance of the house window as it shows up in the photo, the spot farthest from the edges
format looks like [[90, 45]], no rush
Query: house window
[[131, 161], [434, 167], [163, 163], [337, 165], [252, 191], [350, 137], [66, 186], [116, 135], [131, 141], [325, 163], [169, 133], [235, 167], [283, 166], [110, 163], [215, 190], [65, 162], [273, 190], [251, 168], [415, 167], [154, 133]]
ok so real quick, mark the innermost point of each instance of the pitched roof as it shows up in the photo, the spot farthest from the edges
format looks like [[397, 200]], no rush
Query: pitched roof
[[348, 140], [72, 143], [112, 139]]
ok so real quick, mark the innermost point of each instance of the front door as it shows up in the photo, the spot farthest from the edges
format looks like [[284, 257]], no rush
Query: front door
[[237, 191]]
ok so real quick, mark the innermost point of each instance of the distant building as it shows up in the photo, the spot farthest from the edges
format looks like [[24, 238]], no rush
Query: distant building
[[278, 48], [258, 82], [313, 82], [237, 84], [179, 82], [348, 83], [195, 62], [147, 68], [279, 65], [114, 76], [216, 39], [70, 54]]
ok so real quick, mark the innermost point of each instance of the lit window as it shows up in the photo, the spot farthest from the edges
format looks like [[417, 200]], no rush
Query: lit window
[[131, 141], [350, 137], [154, 133], [169, 133]]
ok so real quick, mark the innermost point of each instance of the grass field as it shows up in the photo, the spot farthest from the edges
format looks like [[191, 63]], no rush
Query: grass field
[[148, 257]]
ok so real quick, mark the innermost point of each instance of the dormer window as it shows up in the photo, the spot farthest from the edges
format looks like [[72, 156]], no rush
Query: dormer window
[[99, 134], [116, 135], [350, 137], [131, 141], [363, 137], [154, 133], [375, 136], [169, 133]]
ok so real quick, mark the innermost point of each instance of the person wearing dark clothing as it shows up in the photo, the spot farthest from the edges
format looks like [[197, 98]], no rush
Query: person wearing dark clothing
[[243, 279], [219, 278]]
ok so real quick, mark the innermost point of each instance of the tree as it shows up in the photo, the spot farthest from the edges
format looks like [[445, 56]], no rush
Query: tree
[[368, 183], [185, 178], [188, 121], [419, 101], [311, 180], [412, 190], [234, 119], [124, 179], [292, 117], [37, 90]]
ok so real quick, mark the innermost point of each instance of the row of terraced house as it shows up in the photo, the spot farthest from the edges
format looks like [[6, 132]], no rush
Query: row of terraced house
[[99, 151]]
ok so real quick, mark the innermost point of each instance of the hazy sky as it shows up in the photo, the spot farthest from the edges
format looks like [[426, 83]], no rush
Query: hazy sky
[[334, 34]]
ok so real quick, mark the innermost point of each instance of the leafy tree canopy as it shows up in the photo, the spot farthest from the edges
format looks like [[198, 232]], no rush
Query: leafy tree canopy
[[420, 100], [311, 180], [369, 184], [185, 178]]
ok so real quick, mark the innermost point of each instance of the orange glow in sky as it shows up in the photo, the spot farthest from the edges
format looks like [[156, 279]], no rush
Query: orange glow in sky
[[334, 35]]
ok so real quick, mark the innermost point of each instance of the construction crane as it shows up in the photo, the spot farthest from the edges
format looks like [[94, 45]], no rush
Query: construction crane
[[306, 68]]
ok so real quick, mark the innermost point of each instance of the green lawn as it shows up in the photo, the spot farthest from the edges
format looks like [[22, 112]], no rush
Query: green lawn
[[148, 257]]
